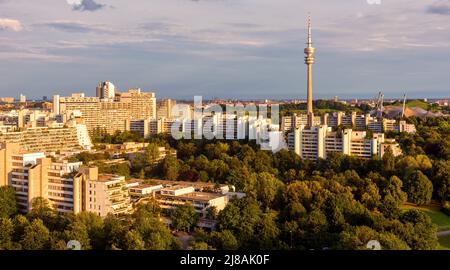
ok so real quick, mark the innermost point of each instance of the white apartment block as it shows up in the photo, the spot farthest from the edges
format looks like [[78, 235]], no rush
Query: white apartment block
[[354, 121], [317, 142]]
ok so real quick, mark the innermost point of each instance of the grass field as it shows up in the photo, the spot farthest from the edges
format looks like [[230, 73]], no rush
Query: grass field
[[418, 103], [438, 218], [444, 242]]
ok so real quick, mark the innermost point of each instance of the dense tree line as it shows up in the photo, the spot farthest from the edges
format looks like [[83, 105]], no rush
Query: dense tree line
[[43, 229]]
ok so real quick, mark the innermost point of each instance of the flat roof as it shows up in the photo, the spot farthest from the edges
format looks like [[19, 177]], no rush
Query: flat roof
[[177, 187], [185, 183], [108, 178], [199, 196], [142, 186]]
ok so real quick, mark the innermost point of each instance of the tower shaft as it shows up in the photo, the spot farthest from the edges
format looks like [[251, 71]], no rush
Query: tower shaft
[[309, 61]]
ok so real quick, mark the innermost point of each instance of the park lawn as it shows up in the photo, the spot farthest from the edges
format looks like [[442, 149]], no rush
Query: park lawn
[[438, 218], [418, 103], [444, 242]]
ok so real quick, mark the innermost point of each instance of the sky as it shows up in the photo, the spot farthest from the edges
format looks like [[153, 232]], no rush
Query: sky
[[243, 49]]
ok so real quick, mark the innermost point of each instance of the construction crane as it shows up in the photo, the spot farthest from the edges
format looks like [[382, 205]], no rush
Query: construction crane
[[404, 106], [379, 105]]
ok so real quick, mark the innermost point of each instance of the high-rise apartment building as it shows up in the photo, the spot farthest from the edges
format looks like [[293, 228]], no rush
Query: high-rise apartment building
[[142, 104], [108, 116], [69, 187], [165, 108], [113, 116], [106, 91], [33, 175], [87, 107]]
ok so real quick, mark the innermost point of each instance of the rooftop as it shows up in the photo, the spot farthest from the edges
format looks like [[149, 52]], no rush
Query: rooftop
[[143, 186], [177, 187], [109, 178], [200, 196], [196, 185]]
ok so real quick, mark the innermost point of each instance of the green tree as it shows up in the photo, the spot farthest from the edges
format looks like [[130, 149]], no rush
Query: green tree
[[115, 229], [215, 150], [155, 234], [268, 233], [267, 187], [134, 241], [152, 154], [147, 210], [42, 209], [388, 161], [79, 232], [36, 236], [418, 187], [95, 228], [199, 245], [171, 168], [419, 231], [8, 204], [186, 150], [184, 217], [441, 179], [58, 241], [229, 218], [6, 233], [223, 240]]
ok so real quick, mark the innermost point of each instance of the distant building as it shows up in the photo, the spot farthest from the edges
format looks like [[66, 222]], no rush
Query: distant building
[[107, 115], [143, 104], [408, 128], [7, 99], [165, 108], [45, 139], [22, 98], [106, 91], [320, 141]]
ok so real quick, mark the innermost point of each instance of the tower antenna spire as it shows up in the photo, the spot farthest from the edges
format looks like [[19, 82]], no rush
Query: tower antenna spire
[[309, 31]]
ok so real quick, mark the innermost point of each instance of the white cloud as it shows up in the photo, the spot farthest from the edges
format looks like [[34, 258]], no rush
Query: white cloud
[[10, 25]]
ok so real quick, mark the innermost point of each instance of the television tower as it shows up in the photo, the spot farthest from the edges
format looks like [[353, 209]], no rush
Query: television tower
[[309, 61]]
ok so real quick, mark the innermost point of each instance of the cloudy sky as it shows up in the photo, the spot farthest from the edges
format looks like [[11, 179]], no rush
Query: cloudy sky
[[225, 48]]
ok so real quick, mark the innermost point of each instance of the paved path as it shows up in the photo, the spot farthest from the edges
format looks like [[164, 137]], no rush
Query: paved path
[[443, 233]]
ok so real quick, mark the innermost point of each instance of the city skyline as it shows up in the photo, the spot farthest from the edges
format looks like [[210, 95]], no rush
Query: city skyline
[[224, 49]]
